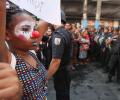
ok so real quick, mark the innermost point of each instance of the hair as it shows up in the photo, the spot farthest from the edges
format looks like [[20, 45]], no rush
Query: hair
[[63, 22], [51, 27], [10, 12], [14, 10]]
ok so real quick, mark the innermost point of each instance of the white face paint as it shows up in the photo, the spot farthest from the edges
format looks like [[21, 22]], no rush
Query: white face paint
[[24, 29]]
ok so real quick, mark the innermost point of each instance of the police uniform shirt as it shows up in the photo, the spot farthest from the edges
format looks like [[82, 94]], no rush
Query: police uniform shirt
[[58, 45]]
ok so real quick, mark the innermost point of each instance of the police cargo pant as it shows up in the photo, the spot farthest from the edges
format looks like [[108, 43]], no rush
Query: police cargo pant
[[62, 84], [114, 65]]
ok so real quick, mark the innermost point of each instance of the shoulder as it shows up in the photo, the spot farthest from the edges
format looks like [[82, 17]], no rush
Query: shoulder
[[57, 40], [58, 35], [60, 30]]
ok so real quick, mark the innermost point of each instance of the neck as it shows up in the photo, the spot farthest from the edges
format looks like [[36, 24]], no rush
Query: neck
[[20, 52]]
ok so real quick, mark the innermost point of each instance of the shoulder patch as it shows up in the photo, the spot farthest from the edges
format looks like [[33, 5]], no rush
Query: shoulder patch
[[57, 41]]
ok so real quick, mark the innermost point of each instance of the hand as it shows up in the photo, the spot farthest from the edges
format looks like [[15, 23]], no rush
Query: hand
[[10, 87]]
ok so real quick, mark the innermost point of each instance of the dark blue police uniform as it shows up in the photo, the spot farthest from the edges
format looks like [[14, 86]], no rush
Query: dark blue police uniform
[[61, 49], [114, 63]]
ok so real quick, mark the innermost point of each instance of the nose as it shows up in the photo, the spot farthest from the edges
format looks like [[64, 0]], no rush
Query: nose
[[35, 35]]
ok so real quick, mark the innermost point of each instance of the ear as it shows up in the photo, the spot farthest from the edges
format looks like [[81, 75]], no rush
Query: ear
[[8, 35]]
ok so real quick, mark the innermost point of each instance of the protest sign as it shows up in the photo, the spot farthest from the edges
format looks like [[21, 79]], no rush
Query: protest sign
[[48, 10]]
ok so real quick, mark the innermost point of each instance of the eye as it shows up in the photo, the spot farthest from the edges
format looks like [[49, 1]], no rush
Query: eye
[[26, 28]]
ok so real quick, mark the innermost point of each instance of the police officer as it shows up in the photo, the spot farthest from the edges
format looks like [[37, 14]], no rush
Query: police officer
[[106, 50], [61, 56], [114, 62]]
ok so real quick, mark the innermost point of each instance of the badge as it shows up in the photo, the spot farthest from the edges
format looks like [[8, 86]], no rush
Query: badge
[[57, 41]]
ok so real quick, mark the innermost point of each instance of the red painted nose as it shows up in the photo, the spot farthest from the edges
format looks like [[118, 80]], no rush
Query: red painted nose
[[35, 34]]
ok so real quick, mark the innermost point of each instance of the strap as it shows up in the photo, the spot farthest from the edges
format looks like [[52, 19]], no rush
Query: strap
[[13, 61]]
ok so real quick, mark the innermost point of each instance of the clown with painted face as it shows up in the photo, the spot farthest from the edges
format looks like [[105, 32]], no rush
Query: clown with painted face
[[24, 31], [21, 37]]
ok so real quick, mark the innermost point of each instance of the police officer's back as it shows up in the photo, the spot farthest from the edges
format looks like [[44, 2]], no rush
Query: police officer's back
[[61, 56], [62, 45]]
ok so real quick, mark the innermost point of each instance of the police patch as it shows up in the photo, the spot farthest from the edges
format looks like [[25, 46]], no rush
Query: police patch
[[57, 41]]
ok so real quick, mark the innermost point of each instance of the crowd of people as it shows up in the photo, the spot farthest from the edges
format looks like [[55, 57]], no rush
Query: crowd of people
[[89, 44]]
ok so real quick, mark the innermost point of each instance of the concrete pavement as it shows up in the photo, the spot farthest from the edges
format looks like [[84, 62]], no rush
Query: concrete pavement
[[88, 83]]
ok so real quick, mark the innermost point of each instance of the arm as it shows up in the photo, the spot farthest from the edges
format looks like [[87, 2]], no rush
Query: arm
[[57, 52], [54, 65], [42, 27]]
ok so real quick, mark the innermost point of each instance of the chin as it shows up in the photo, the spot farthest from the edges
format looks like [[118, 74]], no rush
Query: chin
[[33, 48], [26, 49]]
